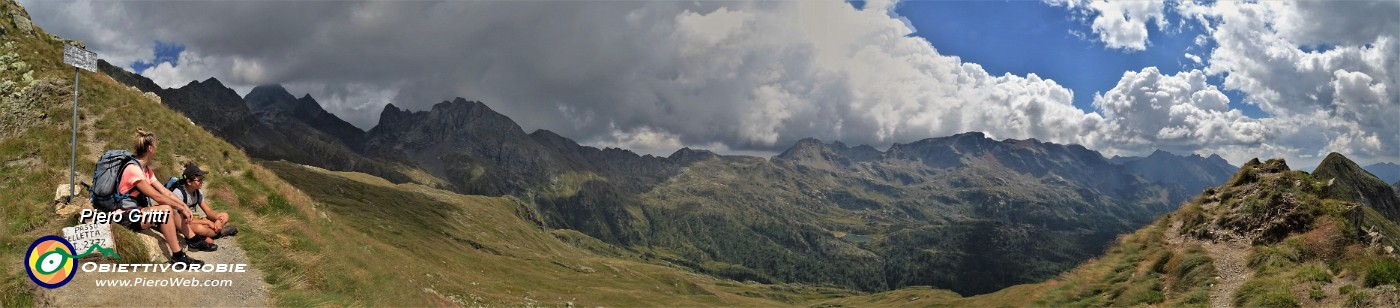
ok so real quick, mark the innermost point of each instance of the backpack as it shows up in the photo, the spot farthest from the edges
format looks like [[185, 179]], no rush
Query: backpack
[[105, 180], [177, 183], [173, 183]]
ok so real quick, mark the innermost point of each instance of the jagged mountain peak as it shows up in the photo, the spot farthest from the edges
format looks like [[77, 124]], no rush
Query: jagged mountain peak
[[686, 155], [812, 152], [271, 98], [1162, 154], [552, 139], [213, 82]]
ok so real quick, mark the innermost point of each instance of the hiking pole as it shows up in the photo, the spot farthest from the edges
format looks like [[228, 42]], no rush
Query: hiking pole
[[79, 58]]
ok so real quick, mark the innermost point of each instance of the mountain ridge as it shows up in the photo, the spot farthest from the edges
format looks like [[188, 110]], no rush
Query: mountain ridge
[[1387, 171], [970, 188], [1185, 176]]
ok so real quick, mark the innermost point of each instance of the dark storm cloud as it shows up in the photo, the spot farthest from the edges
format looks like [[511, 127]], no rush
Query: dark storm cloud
[[730, 76]]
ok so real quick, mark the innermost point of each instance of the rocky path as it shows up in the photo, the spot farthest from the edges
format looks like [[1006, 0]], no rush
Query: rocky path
[[1230, 258], [1232, 269]]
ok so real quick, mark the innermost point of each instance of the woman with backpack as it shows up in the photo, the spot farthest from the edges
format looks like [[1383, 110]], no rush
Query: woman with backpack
[[141, 183]]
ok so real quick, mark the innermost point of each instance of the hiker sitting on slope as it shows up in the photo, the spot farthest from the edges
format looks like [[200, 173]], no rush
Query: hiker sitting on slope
[[145, 185], [207, 224]]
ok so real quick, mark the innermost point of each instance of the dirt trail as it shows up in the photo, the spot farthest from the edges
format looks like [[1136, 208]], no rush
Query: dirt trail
[[1232, 269], [1230, 257]]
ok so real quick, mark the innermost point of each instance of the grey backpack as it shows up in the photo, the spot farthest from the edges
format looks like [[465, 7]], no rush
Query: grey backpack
[[106, 178]]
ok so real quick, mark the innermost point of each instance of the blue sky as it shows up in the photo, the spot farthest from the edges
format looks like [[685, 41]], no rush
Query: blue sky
[[164, 53], [1023, 37]]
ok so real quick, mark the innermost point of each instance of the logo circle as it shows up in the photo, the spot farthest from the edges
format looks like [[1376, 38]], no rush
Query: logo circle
[[49, 262]]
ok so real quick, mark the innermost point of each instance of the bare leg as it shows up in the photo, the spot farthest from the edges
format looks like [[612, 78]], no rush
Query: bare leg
[[167, 229], [202, 227], [182, 223]]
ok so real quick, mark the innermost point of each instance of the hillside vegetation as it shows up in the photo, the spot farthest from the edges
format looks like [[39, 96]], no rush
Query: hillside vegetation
[[1268, 237]]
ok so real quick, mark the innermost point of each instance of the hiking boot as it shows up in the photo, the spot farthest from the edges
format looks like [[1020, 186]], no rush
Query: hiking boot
[[181, 257], [198, 244], [229, 230]]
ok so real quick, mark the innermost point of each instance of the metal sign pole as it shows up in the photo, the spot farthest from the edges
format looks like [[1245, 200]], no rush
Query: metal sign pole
[[80, 59], [73, 148]]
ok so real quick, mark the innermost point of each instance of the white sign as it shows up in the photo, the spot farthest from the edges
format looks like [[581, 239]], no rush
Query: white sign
[[83, 236], [79, 57]]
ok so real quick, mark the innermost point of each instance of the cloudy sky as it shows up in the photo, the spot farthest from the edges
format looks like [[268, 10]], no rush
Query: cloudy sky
[[1292, 79]]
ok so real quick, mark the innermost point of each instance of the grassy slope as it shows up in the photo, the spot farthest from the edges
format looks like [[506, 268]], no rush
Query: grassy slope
[[478, 250], [764, 222], [1320, 262], [358, 247]]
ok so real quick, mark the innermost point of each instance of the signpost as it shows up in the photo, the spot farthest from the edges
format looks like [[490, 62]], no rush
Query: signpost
[[79, 58], [83, 236]]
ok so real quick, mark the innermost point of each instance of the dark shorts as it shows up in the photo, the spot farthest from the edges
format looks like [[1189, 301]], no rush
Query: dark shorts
[[135, 226]]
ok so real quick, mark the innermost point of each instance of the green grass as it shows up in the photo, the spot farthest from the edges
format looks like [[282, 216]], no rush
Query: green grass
[[1313, 272], [1359, 298], [1272, 258], [1265, 292], [432, 233], [1386, 271]]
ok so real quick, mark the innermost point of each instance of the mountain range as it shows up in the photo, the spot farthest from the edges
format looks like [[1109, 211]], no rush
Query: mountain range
[[1016, 222], [1184, 176], [963, 212]]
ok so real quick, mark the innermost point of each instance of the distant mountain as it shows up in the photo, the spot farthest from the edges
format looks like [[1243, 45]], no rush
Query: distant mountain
[[479, 151], [813, 153], [1186, 176], [300, 132], [1388, 172], [963, 212], [273, 105], [1347, 181]]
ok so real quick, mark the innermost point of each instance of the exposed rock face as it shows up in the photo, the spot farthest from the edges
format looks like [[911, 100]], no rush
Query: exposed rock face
[[127, 78], [20, 18], [284, 128], [273, 105], [484, 152]]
